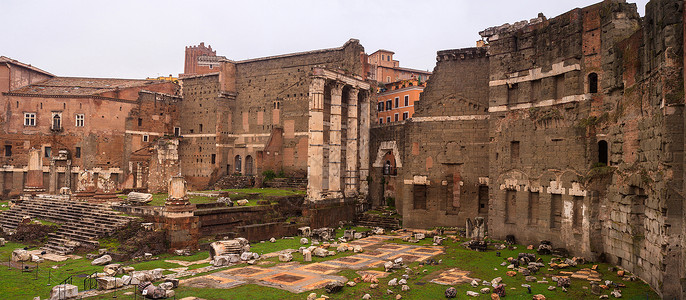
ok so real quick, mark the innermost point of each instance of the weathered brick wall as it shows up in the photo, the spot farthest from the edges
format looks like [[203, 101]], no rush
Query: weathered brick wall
[[643, 229], [103, 142], [445, 150], [543, 144], [200, 106], [266, 94]]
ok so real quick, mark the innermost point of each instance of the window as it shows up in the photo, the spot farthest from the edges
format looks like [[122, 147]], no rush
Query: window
[[200, 128], [395, 117], [177, 131], [214, 158], [407, 100], [380, 106], [388, 119], [602, 152], [397, 104], [29, 119], [80, 120], [140, 122], [248, 165], [146, 137], [389, 105], [483, 199], [380, 120], [555, 210], [593, 83], [56, 121], [47, 151], [388, 78], [8, 150], [77, 153], [406, 115]]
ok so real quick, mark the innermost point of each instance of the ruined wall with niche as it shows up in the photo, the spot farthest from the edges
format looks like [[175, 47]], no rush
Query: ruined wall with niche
[[247, 102], [541, 105], [202, 112], [643, 229], [587, 136], [97, 148], [444, 178], [274, 92], [388, 142]]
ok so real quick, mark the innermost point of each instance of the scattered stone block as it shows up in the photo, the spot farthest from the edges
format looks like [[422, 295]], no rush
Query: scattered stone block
[[285, 257], [393, 282], [304, 241], [20, 255], [272, 240], [485, 290], [351, 283], [102, 260], [242, 202], [472, 294], [334, 287], [405, 288], [64, 291], [307, 255]]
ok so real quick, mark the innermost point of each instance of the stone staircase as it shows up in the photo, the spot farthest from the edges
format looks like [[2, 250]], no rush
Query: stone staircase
[[375, 220], [80, 222]]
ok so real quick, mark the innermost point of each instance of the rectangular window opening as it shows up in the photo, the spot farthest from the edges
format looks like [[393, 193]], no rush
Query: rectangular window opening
[[77, 153]]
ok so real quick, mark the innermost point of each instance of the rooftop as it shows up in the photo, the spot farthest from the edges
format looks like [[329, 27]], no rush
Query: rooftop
[[79, 86], [5, 59]]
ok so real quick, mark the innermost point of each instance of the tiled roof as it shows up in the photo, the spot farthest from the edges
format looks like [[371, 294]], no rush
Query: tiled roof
[[80, 86], [5, 59]]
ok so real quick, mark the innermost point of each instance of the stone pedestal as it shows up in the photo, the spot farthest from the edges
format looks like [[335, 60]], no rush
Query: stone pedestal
[[34, 176], [181, 224]]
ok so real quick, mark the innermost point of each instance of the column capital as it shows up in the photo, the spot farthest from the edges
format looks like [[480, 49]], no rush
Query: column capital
[[336, 88], [353, 92]]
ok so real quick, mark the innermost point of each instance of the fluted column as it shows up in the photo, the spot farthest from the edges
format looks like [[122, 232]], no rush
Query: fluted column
[[315, 148], [351, 147], [335, 141], [364, 145]]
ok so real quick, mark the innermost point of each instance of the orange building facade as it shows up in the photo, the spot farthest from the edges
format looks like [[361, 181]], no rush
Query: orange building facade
[[396, 102], [383, 68]]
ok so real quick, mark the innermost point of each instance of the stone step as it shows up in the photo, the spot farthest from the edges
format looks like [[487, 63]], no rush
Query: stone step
[[79, 221]]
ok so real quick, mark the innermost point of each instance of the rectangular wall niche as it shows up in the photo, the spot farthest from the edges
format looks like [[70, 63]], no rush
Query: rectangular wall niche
[[510, 206], [533, 208], [555, 210], [419, 196]]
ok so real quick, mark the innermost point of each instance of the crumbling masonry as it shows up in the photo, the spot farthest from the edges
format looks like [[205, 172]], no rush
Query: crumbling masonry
[[567, 129]]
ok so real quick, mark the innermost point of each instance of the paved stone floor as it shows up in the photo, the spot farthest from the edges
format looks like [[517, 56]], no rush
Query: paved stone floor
[[296, 277], [452, 277]]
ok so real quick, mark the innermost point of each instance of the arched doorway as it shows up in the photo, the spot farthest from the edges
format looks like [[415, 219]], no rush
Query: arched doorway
[[237, 162], [249, 166]]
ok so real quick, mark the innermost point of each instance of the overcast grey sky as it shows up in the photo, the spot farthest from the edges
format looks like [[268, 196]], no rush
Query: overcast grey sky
[[136, 39]]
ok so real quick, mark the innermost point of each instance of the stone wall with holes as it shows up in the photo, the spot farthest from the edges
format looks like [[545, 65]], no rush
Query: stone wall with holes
[[101, 144], [443, 148], [586, 128], [203, 112], [243, 105], [643, 229]]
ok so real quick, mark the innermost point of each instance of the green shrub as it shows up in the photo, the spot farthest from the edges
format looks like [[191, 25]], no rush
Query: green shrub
[[268, 175]]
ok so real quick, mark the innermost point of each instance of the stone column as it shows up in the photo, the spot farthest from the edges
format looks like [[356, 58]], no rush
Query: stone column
[[183, 228], [335, 141], [351, 147], [364, 145], [34, 176], [315, 148]]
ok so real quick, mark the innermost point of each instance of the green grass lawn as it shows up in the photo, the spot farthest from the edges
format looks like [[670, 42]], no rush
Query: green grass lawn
[[481, 264], [5, 202]]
